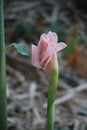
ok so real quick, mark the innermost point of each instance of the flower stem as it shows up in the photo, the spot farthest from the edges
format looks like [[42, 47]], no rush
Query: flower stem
[[3, 102], [53, 80]]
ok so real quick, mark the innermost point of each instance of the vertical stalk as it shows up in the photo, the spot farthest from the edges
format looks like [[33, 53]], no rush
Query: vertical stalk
[[3, 102], [53, 80]]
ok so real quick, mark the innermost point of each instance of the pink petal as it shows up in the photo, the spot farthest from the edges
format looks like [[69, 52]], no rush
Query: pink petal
[[49, 64], [60, 46], [53, 48], [44, 35], [43, 61], [35, 59], [53, 38], [42, 46], [47, 46]]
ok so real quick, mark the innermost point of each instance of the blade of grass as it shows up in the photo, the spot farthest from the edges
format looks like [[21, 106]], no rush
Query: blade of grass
[[3, 102]]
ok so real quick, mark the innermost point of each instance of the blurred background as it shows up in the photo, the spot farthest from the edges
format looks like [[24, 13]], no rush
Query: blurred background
[[27, 88]]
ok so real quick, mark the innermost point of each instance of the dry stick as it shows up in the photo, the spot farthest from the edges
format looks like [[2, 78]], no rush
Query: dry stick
[[70, 94]]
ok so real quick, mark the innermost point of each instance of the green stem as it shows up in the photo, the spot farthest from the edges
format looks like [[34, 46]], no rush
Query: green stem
[[53, 81], [3, 102]]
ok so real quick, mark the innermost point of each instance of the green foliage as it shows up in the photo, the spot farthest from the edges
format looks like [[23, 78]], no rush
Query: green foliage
[[70, 47], [23, 29], [21, 48], [56, 27]]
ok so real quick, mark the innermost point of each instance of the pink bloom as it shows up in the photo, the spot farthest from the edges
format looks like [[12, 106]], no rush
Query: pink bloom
[[43, 54]]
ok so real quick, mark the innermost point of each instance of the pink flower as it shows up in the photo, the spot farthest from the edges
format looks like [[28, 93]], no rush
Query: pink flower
[[43, 54]]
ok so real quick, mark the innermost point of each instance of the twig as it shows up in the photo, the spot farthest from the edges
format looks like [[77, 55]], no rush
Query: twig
[[70, 94]]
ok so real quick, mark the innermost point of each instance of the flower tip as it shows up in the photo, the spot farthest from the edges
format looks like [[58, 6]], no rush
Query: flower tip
[[64, 45]]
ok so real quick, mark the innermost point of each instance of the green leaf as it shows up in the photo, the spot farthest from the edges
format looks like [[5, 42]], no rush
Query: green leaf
[[21, 48], [70, 47]]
